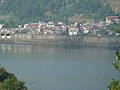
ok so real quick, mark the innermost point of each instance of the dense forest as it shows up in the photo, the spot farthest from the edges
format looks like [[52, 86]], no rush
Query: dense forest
[[14, 12]]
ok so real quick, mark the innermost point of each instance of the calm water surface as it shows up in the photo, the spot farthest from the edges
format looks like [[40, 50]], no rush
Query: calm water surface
[[60, 68]]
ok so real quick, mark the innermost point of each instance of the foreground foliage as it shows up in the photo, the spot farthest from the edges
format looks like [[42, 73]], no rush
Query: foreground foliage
[[9, 82], [115, 85]]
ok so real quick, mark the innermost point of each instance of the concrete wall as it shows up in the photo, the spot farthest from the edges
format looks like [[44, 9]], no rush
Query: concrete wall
[[61, 39]]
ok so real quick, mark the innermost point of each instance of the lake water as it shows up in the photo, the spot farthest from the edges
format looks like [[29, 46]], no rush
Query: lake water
[[60, 68]]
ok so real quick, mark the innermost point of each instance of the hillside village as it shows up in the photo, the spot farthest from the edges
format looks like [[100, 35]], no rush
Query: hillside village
[[102, 28]]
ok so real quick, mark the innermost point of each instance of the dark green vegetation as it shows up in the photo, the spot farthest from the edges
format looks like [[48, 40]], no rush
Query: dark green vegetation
[[115, 27], [14, 12], [117, 63], [9, 82], [115, 85]]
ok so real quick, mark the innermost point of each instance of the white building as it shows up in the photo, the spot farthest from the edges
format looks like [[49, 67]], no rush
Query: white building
[[1, 25]]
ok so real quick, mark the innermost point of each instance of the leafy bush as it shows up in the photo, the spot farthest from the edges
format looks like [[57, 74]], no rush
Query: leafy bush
[[9, 82]]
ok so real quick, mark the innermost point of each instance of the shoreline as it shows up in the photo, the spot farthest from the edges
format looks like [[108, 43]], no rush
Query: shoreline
[[62, 40]]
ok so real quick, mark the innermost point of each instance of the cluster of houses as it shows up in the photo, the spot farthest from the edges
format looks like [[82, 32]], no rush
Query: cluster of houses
[[62, 28]]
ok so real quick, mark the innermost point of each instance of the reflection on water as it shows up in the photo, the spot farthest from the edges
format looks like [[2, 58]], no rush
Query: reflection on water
[[24, 49], [32, 49], [59, 68], [27, 49]]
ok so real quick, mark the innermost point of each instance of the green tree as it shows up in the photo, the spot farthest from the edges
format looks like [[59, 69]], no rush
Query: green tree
[[117, 28], [117, 63], [115, 85], [4, 74], [9, 82]]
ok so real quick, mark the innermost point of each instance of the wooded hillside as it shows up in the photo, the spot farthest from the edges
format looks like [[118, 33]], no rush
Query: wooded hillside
[[14, 12]]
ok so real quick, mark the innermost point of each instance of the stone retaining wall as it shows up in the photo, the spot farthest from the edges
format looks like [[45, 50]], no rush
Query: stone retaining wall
[[62, 39]]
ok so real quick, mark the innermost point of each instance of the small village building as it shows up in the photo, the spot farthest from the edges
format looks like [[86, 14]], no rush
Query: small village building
[[73, 30], [60, 23], [109, 19], [117, 21], [3, 36], [1, 25], [50, 24], [86, 28], [86, 31], [8, 36], [31, 26]]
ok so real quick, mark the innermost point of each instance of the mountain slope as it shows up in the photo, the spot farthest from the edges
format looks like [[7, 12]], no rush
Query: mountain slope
[[24, 11], [115, 4]]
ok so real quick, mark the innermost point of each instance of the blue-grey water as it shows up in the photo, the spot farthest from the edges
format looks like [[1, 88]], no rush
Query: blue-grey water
[[60, 68]]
